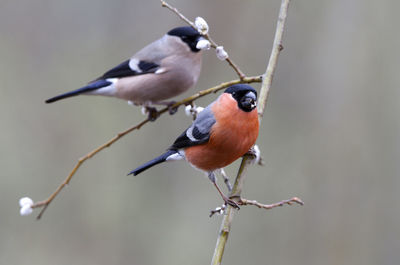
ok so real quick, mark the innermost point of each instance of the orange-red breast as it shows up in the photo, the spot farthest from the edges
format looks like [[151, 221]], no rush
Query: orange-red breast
[[224, 131]]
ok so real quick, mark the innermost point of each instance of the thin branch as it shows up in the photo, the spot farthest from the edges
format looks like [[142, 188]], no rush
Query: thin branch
[[228, 217], [226, 179], [175, 10], [45, 203], [207, 36], [277, 47], [236, 68], [266, 85], [243, 201]]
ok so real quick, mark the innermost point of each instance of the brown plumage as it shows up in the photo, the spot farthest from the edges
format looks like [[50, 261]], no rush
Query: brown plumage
[[163, 69]]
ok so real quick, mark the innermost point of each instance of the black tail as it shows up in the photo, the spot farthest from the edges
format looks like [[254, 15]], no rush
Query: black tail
[[92, 86], [152, 162]]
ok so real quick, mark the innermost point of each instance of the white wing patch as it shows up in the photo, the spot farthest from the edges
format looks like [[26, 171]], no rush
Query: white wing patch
[[134, 65], [203, 123], [189, 134]]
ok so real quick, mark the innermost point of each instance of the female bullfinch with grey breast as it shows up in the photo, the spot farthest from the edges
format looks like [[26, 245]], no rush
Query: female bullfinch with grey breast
[[224, 131], [163, 69]]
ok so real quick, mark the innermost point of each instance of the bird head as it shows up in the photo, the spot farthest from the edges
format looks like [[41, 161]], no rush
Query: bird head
[[188, 35], [245, 95]]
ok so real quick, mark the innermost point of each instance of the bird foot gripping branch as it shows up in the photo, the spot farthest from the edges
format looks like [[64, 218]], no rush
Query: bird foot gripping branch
[[242, 201], [152, 112]]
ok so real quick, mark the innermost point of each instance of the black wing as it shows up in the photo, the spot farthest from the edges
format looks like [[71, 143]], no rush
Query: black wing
[[124, 69], [198, 133]]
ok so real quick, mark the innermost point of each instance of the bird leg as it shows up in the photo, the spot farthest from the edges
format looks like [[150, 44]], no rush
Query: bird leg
[[152, 113], [226, 179], [169, 104], [172, 110], [232, 203]]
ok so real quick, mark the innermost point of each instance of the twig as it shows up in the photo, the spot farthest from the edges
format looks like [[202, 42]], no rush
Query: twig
[[277, 47], [207, 36], [243, 201], [45, 203], [228, 216], [226, 180], [175, 10], [266, 85]]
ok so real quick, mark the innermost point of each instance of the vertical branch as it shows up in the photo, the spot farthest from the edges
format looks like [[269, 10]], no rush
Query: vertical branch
[[273, 59], [265, 87], [228, 217]]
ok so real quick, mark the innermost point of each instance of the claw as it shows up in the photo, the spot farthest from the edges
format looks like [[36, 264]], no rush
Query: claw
[[221, 210], [169, 105], [153, 113], [172, 110], [227, 200], [232, 203]]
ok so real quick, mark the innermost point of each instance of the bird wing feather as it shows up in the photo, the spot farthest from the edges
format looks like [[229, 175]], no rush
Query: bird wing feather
[[198, 133], [147, 60]]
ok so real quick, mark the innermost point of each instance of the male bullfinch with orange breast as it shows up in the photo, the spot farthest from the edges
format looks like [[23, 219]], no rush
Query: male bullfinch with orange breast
[[224, 131], [163, 69]]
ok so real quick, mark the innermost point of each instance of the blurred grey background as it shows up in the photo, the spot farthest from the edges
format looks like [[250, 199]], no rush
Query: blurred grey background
[[329, 136]]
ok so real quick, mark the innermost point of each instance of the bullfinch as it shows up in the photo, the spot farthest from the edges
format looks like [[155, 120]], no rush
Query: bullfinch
[[224, 131], [163, 69]]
